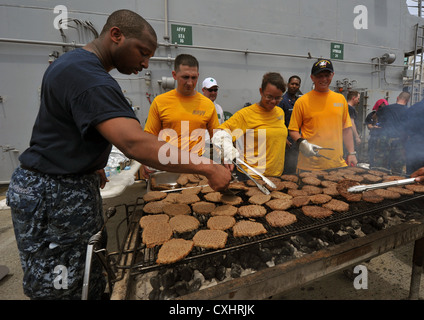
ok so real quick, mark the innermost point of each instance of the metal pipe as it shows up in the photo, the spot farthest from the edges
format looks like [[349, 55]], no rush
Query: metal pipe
[[43, 43], [166, 35], [63, 44], [246, 51]]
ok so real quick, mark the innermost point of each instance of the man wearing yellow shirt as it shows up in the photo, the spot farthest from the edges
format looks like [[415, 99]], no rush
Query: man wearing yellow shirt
[[320, 119], [180, 116]]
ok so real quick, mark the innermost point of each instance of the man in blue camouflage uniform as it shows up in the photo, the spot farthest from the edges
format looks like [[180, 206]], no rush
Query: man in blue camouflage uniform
[[54, 195], [52, 232]]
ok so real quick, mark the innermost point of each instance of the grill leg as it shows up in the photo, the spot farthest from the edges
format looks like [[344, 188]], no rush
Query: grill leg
[[417, 269]]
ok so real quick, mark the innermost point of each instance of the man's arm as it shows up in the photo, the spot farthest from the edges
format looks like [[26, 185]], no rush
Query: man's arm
[[128, 136], [355, 133], [350, 147], [295, 135]]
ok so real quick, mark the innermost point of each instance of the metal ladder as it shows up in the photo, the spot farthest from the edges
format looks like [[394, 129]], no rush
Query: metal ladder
[[417, 67]]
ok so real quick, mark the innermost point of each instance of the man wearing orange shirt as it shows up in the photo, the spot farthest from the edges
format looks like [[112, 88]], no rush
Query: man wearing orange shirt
[[320, 119], [180, 116]]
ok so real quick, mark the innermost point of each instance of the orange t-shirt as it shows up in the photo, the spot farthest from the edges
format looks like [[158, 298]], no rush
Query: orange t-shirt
[[182, 120], [321, 118]]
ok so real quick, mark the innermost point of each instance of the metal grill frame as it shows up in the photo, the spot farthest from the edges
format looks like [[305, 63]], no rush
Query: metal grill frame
[[143, 259]]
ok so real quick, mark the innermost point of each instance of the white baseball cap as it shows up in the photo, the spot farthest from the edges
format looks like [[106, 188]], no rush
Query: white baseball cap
[[209, 82]]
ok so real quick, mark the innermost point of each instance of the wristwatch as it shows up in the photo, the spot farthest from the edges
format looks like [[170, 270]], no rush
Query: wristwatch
[[352, 153]]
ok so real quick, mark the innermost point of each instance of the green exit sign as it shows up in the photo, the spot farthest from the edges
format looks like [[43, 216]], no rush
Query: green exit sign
[[182, 34], [337, 51]]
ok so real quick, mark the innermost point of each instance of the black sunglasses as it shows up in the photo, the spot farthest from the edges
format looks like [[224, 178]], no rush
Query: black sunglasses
[[212, 90]]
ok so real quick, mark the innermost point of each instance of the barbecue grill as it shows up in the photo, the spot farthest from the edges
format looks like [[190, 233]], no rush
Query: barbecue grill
[[136, 261]]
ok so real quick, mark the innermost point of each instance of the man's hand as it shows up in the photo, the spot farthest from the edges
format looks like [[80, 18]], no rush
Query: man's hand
[[308, 149], [223, 141], [288, 144], [219, 178], [351, 160], [146, 172], [419, 175], [101, 173]]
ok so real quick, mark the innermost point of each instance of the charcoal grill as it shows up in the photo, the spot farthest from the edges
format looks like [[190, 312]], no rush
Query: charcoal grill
[[140, 260]]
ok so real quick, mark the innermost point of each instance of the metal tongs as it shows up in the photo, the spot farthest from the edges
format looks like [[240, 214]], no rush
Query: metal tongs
[[382, 185], [260, 187], [265, 179], [320, 155]]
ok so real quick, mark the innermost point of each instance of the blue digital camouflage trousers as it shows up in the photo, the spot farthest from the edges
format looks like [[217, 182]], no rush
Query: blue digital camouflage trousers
[[54, 216]]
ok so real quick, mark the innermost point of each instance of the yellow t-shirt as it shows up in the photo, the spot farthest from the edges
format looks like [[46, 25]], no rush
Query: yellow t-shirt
[[182, 120], [263, 137], [321, 118]]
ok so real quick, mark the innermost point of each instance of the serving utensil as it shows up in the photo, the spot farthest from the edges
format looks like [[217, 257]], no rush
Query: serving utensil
[[260, 187], [265, 179], [382, 185]]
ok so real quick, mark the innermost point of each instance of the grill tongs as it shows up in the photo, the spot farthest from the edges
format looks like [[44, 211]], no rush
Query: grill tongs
[[382, 185], [260, 187]]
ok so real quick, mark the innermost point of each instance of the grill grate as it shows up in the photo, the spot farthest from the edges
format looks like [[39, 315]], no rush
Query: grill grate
[[144, 259]]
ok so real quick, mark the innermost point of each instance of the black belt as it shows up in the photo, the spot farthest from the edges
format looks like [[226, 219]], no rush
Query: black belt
[[30, 169], [64, 174]]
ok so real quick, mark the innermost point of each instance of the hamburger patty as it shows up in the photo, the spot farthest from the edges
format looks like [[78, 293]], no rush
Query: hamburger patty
[[252, 211], [259, 199], [301, 201], [316, 211], [203, 207], [371, 196], [153, 218], [415, 187], [387, 194], [247, 228], [154, 207], [280, 218], [224, 210], [155, 234], [320, 198], [278, 204], [402, 191], [183, 223], [175, 209], [154, 196], [231, 199], [210, 239], [221, 222], [336, 205], [174, 250], [213, 196], [345, 184], [311, 181], [187, 198]]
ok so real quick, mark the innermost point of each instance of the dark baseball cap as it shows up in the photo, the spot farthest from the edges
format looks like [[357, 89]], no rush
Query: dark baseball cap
[[322, 65]]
